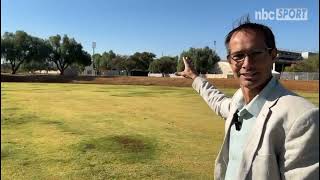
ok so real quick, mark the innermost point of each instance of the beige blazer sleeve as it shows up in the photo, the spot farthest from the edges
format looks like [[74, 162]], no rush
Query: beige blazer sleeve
[[301, 158], [216, 100]]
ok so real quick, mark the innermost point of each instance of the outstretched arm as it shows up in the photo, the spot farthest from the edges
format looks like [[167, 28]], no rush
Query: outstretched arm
[[189, 71], [216, 100]]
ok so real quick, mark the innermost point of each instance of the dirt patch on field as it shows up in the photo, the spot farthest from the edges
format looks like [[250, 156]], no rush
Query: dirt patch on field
[[309, 86]]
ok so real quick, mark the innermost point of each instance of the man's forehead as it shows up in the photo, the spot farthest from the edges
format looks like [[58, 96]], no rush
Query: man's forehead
[[246, 39]]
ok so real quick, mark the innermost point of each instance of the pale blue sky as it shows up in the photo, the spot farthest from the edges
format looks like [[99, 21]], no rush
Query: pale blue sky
[[160, 26]]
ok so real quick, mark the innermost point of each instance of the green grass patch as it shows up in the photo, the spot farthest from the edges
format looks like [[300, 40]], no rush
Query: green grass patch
[[87, 131]]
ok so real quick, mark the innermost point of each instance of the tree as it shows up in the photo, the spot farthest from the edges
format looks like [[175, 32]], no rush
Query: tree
[[142, 60], [106, 60], [40, 58], [165, 64], [202, 58], [66, 52], [82, 59], [35, 65], [97, 62], [309, 65], [118, 63], [129, 64], [17, 48]]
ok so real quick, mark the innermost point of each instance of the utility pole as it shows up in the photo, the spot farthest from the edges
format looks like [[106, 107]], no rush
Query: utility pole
[[93, 46]]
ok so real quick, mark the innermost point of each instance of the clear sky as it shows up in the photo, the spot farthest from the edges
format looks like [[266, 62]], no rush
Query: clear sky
[[164, 27]]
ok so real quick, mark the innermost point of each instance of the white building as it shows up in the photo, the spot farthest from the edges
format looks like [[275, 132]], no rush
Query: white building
[[224, 71], [222, 67], [89, 71], [306, 55]]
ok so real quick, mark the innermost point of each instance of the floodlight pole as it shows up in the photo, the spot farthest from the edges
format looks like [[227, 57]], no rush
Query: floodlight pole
[[93, 46]]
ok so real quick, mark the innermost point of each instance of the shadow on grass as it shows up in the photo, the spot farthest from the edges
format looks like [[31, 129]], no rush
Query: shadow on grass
[[62, 126], [127, 148], [150, 92], [135, 94], [12, 120]]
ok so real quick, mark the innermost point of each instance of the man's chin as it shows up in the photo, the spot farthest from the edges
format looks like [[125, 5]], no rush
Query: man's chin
[[249, 83]]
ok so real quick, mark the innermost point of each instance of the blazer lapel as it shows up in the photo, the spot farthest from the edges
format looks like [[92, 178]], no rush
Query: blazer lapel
[[223, 156], [256, 135]]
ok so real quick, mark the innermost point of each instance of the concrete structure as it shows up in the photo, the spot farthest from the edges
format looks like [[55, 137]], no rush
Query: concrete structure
[[89, 71], [111, 73], [306, 55], [287, 58], [222, 67], [46, 72], [165, 75]]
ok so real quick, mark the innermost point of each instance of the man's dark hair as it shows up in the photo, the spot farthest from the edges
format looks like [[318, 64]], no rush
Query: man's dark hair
[[247, 25]]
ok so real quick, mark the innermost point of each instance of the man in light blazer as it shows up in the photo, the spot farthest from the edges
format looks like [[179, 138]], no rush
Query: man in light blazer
[[271, 133]]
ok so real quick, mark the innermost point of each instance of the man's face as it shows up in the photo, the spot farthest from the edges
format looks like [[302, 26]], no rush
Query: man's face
[[249, 58]]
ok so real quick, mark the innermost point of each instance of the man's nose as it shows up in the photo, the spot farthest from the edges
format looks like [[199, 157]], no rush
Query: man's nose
[[248, 62]]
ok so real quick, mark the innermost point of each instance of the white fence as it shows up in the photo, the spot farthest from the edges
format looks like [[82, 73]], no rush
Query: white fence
[[300, 76], [165, 75], [284, 75], [204, 75]]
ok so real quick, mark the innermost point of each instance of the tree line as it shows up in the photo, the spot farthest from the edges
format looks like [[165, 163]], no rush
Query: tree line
[[20, 50]]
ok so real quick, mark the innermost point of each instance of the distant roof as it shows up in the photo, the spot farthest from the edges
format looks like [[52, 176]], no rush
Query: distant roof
[[295, 51]]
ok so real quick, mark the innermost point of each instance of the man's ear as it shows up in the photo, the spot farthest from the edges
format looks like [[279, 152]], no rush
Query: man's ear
[[273, 54]]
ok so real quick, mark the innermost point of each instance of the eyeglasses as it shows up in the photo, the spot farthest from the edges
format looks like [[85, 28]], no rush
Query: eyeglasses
[[238, 57]]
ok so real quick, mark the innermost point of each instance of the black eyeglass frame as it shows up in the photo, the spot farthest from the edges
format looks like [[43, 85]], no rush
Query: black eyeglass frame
[[231, 56]]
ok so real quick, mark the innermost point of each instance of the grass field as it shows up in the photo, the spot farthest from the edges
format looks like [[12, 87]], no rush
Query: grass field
[[87, 131]]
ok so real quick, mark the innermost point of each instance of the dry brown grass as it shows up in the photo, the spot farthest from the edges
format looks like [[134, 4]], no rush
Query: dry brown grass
[[296, 85]]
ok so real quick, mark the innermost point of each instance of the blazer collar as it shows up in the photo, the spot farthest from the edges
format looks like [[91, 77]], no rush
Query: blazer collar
[[237, 98], [254, 139], [256, 135]]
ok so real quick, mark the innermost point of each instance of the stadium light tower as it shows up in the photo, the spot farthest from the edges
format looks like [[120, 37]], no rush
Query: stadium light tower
[[93, 46]]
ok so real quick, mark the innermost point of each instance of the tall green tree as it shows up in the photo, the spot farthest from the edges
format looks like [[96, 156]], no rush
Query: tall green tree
[[118, 63], [67, 51], [142, 60], [40, 58], [203, 59], [17, 48], [97, 62], [164, 65], [129, 64], [106, 60]]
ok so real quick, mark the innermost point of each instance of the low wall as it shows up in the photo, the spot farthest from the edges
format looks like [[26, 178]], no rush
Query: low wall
[[311, 86], [209, 76]]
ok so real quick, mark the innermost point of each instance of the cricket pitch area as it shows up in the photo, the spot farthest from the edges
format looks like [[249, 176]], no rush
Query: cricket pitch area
[[112, 128]]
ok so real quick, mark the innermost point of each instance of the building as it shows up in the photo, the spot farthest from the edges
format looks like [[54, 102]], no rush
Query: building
[[306, 55], [223, 70], [89, 71], [286, 58], [222, 67]]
